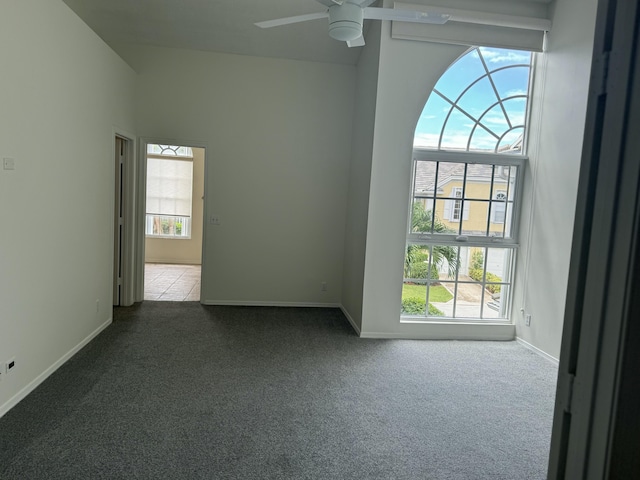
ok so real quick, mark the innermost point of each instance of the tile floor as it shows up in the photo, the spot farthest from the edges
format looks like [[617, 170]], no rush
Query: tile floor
[[168, 282]]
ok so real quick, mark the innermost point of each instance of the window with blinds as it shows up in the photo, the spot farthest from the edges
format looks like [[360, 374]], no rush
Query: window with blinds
[[169, 191]]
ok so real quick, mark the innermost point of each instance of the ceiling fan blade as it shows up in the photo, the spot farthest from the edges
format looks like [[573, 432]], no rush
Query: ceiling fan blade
[[288, 20], [362, 3], [358, 42], [330, 3], [405, 15]]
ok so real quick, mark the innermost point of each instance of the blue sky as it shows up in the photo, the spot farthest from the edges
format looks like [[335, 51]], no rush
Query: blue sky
[[508, 82]]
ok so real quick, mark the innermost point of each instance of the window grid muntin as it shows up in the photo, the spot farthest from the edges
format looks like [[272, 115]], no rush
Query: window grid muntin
[[185, 231], [504, 291], [454, 104], [504, 160], [156, 149], [501, 156]]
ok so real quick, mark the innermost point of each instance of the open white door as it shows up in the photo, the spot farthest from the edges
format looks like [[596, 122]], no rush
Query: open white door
[[124, 221]]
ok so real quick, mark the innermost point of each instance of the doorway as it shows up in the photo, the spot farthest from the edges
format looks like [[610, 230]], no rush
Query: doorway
[[173, 222]]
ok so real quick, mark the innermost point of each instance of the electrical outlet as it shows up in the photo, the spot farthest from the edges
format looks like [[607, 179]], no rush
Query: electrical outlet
[[323, 287], [97, 306], [9, 365], [527, 319]]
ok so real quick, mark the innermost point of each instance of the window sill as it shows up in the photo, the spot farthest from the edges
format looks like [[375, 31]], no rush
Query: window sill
[[455, 321], [162, 237]]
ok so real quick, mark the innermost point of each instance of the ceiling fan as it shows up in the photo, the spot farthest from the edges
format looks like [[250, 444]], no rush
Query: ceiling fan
[[346, 17]]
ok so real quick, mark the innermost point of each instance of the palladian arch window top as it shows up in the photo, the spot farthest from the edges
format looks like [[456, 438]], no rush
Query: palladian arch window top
[[479, 104], [169, 150]]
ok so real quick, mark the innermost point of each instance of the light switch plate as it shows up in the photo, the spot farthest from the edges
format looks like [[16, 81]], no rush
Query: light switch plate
[[8, 164]]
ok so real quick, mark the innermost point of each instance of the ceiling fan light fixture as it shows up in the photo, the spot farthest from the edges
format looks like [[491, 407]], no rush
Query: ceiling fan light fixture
[[345, 31], [345, 22]]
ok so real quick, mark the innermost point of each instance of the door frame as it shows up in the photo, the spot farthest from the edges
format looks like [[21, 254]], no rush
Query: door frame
[[595, 430], [141, 199], [127, 247]]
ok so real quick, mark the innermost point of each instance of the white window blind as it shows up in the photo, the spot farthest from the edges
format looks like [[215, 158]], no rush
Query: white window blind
[[169, 186], [491, 30]]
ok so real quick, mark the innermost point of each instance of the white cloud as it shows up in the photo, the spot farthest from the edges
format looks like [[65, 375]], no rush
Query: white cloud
[[495, 119], [516, 91], [456, 140], [517, 119], [426, 140], [499, 56]]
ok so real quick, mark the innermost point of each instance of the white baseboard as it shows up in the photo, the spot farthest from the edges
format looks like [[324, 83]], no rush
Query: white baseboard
[[236, 303], [351, 320], [13, 401], [535, 349]]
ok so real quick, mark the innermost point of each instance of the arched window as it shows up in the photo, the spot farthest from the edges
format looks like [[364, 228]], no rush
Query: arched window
[[468, 163], [169, 150], [479, 104]]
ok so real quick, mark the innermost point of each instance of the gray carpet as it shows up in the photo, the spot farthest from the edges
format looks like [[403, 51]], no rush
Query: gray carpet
[[179, 390]]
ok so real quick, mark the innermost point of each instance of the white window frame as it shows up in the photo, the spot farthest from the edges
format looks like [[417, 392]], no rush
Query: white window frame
[[457, 211], [169, 153], [471, 158], [482, 241]]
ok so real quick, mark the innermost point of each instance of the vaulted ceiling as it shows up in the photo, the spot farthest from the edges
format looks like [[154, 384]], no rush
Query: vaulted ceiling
[[228, 25]]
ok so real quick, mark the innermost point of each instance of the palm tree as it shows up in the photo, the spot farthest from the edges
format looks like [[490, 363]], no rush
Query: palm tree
[[421, 220]]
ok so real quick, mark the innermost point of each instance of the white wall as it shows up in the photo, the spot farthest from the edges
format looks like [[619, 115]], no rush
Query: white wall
[[278, 138], [557, 124], [360, 176], [183, 251], [62, 92]]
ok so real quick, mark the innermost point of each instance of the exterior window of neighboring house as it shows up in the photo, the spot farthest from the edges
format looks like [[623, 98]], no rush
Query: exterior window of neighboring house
[[169, 191], [457, 205], [498, 207], [468, 163], [453, 208]]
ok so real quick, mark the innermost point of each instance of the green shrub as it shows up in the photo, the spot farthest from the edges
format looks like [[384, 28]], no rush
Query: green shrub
[[420, 255], [416, 306], [476, 274], [413, 306], [493, 278], [435, 312], [421, 270], [477, 260]]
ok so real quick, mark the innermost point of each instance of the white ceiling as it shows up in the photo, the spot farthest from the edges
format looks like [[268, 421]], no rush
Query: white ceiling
[[225, 26]]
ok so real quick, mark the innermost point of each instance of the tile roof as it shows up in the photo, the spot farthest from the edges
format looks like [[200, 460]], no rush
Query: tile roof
[[426, 174]]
